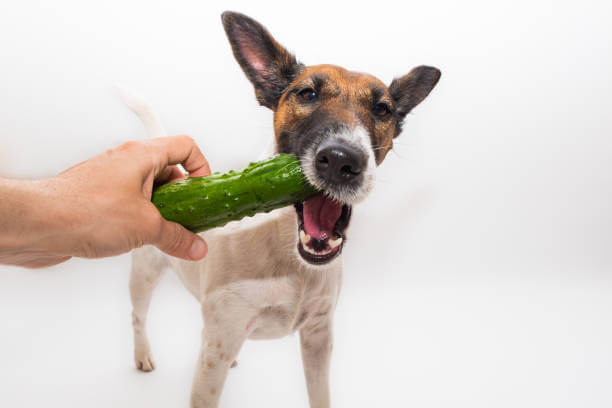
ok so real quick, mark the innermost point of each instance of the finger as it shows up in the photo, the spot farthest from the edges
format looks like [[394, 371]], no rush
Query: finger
[[176, 175], [170, 174], [177, 241], [182, 150]]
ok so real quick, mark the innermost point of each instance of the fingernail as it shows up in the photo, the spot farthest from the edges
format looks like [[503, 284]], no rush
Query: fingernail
[[198, 249]]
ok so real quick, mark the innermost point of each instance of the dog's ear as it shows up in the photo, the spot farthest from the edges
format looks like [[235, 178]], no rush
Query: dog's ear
[[410, 90], [268, 65]]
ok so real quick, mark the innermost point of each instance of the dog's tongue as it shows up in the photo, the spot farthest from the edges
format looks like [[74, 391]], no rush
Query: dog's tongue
[[320, 216]]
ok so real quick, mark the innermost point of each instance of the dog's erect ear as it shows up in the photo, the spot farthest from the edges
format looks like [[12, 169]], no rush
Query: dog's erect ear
[[269, 66], [410, 90]]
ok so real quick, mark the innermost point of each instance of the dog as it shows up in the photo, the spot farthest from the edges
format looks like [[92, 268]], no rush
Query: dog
[[277, 273]]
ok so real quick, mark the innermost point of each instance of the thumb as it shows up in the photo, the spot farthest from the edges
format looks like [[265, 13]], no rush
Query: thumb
[[181, 243]]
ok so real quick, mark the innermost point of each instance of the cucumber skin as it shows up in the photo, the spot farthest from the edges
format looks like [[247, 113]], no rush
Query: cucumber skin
[[202, 203]]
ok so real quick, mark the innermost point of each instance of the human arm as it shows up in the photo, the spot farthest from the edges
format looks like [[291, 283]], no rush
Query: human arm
[[100, 207]]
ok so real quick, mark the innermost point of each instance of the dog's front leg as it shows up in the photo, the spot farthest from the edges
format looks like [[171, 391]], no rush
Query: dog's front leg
[[316, 342], [227, 324]]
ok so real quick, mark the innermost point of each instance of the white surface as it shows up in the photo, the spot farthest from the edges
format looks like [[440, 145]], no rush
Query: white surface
[[482, 259]]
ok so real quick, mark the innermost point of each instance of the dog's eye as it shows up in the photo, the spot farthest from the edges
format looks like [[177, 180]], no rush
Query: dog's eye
[[308, 94], [381, 110]]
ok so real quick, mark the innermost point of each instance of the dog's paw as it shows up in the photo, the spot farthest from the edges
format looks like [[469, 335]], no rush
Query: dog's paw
[[144, 361], [234, 364]]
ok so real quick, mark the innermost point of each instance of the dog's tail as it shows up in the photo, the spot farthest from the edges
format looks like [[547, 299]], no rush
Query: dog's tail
[[143, 110]]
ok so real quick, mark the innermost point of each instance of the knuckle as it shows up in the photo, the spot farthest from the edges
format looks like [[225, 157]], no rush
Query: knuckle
[[130, 145], [187, 139], [175, 241]]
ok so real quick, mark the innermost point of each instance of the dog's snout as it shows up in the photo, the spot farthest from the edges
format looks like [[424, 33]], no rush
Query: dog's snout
[[339, 164]]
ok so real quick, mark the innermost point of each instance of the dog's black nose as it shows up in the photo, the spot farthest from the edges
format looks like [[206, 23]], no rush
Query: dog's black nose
[[339, 164]]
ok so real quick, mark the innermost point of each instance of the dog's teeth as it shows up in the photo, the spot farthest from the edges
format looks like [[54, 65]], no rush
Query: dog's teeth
[[333, 243], [309, 250], [304, 237], [312, 251]]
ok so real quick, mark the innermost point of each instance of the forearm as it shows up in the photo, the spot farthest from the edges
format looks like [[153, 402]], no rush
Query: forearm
[[17, 213], [28, 218], [100, 207]]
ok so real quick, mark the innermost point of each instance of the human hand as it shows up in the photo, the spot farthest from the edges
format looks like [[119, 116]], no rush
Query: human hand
[[100, 207]]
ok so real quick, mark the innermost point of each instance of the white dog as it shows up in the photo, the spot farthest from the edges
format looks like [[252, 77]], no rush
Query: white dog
[[268, 276]]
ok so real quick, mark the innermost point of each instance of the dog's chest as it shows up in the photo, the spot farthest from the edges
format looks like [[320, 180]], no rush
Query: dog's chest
[[278, 307]]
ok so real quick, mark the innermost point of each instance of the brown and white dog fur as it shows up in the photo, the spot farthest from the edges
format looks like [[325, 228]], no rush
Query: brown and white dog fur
[[271, 275]]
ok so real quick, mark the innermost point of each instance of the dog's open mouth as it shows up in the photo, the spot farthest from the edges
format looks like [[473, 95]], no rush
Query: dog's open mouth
[[322, 222]]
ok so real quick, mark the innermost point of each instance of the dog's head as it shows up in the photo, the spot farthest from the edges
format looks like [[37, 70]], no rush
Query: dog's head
[[340, 124]]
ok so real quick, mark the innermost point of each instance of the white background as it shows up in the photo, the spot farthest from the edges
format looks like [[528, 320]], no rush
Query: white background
[[477, 273]]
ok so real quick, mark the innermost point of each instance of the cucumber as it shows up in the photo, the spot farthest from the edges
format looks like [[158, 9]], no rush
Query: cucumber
[[202, 203]]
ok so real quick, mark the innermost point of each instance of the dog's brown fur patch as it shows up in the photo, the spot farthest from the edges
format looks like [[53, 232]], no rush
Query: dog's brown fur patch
[[347, 96]]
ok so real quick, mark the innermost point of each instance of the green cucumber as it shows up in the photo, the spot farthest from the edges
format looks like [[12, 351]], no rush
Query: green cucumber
[[202, 203]]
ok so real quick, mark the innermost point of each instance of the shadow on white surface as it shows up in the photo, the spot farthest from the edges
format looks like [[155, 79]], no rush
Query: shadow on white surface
[[66, 341]]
